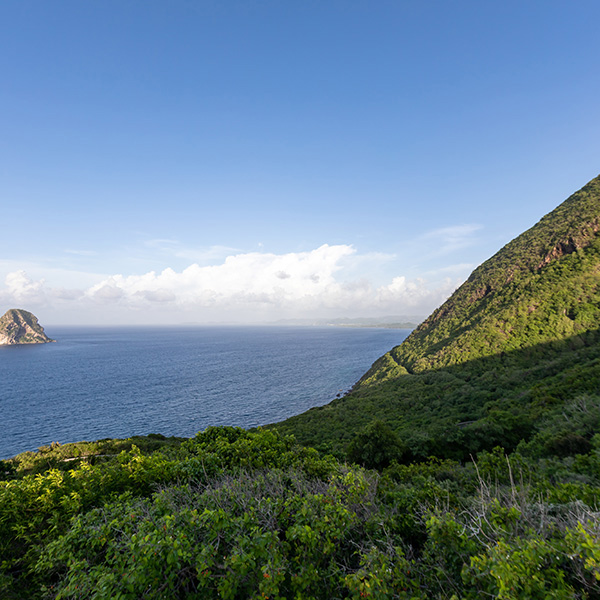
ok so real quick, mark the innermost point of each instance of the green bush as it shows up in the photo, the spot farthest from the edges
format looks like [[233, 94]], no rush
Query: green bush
[[376, 447]]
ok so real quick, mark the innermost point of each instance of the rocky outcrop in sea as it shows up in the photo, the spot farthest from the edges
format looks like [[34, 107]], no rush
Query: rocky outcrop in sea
[[18, 326]]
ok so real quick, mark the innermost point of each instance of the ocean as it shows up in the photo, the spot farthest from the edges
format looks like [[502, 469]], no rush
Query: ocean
[[99, 383]]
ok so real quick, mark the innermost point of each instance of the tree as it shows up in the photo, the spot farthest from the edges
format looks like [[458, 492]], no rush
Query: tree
[[376, 446]]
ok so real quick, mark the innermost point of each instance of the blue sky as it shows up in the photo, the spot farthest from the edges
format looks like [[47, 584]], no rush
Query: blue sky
[[166, 162]]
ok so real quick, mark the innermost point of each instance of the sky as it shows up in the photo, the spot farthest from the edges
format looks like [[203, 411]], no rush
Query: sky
[[166, 162]]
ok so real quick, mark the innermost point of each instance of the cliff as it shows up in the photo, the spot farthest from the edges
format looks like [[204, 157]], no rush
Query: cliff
[[19, 326]]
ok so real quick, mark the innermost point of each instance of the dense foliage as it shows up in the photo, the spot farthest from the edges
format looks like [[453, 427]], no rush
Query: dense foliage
[[238, 514], [473, 467], [543, 398]]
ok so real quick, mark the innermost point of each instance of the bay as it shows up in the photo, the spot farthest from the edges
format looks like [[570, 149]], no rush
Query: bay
[[99, 383]]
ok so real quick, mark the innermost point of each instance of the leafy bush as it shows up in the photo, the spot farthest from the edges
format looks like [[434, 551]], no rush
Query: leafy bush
[[251, 514], [376, 447]]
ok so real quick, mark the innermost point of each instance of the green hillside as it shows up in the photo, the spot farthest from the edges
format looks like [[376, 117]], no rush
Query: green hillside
[[500, 361], [543, 286], [464, 465]]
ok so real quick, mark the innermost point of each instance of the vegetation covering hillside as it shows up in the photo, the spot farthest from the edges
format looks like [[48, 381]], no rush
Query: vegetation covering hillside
[[511, 359], [464, 465], [543, 286]]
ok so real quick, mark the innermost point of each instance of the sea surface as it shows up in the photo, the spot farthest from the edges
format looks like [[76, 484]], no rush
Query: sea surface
[[117, 382]]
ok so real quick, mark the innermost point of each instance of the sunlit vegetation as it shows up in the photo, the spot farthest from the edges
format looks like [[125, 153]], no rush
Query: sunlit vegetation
[[238, 514], [464, 465], [541, 287]]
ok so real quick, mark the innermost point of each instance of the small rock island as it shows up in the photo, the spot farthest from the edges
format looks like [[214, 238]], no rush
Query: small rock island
[[19, 326]]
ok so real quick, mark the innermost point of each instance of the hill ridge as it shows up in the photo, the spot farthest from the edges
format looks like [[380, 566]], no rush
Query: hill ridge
[[508, 353], [570, 228]]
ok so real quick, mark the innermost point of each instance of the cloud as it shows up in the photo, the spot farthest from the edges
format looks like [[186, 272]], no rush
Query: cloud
[[449, 239], [21, 288], [243, 278], [254, 286], [107, 291], [23, 291], [81, 252], [160, 243], [455, 270], [413, 293], [160, 295], [198, 255]]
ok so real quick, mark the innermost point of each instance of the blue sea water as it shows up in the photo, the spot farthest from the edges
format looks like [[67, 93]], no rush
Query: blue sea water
[[117, 382]]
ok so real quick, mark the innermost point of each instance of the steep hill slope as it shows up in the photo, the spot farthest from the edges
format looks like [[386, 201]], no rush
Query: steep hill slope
[[501, 360], [542, 286]]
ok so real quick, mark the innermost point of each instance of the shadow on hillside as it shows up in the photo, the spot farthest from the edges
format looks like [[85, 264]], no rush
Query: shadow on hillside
[[456, 411]]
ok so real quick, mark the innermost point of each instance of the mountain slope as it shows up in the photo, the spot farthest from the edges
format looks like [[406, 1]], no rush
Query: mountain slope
[[542, 286], [513, 349]]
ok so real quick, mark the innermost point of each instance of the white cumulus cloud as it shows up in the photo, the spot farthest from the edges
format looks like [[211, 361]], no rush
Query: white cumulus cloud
[[252, 277], [254, 286], [22, 288]]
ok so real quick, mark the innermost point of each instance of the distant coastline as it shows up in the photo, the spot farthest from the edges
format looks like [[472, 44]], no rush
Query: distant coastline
[[406, 325], [387, 322]]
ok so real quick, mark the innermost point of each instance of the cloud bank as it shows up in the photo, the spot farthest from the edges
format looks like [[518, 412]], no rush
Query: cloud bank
[[247, 287]]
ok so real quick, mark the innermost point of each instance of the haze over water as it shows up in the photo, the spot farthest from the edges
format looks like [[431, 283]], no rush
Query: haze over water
[[118, 382]]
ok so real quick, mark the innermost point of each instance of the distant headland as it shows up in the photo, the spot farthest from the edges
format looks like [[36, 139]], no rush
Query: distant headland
[[18, 326]]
